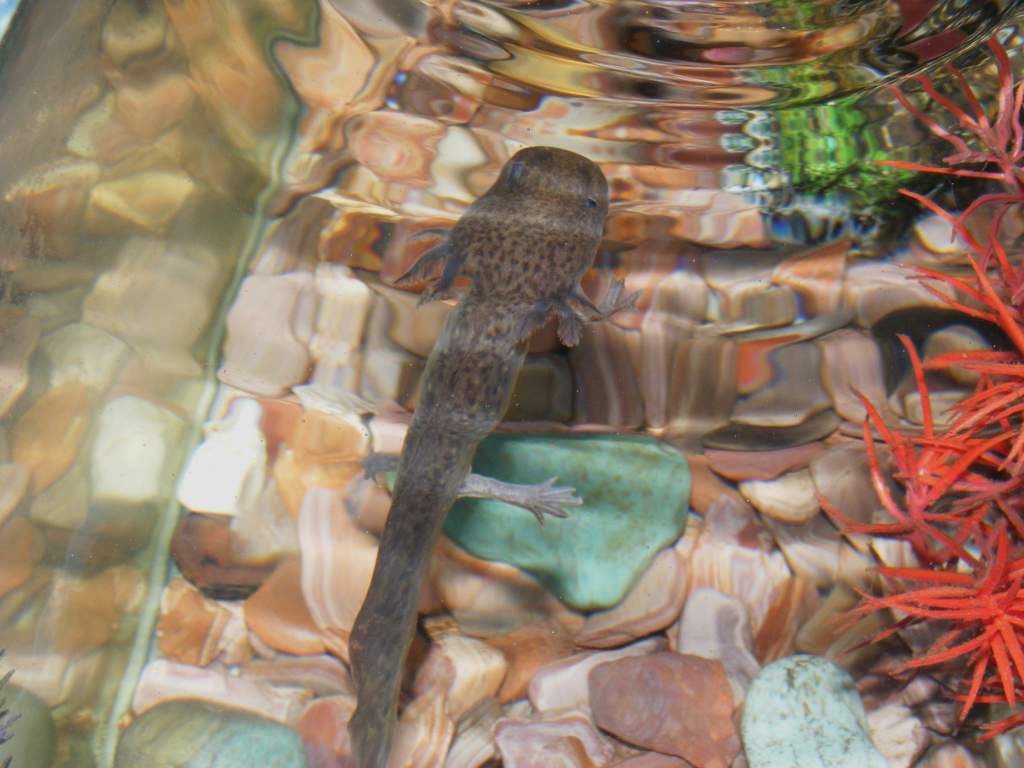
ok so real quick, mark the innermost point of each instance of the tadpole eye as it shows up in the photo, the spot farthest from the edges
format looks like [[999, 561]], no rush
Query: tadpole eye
[[515, 172], [591, 202]]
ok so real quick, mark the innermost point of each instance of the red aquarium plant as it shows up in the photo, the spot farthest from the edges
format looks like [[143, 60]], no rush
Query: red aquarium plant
[[956, 493]]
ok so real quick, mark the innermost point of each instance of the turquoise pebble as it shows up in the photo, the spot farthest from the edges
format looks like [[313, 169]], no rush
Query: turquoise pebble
[[805, 711], [195, 734], [635, 492]]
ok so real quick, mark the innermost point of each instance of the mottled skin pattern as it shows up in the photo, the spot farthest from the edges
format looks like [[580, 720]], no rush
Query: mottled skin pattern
[[524, 245]]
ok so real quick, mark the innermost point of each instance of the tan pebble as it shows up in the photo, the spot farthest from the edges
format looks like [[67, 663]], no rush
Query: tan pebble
[[950, 755], [191, 627], [852, 366], [825, 634], [527, 650], [186, 278], [85, 614], [150, 107], [875, 289], [761, 465], [655, 760], [952, 339], [20, 550], [396, 147], [568, 739], [58, 677], [277, 612], [329, 439], [605, 367], [841, 474], [791, 498], [462, 670], [145, 202], [811, 549], [563, 684], [716, 626], [20, 336], [203, 551], [793, 605], [99, 135], [423, 734], [54, 195], [83, 353], [653, 603], [816, 275], [793, 396], [47, 436], [323, 727], [337, 563], [65, 504], [164, 680], [264, 531], [269, 325], [14, 480], [900, 736], [733, 556], [131, 30]]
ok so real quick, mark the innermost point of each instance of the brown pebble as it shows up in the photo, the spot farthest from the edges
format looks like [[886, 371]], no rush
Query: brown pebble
[[202, 550], [47, 436], [277, 612], [675, 704], [20, 549]]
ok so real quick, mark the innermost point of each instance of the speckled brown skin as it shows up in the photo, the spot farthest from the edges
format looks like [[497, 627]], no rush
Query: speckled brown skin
[[524, 245]]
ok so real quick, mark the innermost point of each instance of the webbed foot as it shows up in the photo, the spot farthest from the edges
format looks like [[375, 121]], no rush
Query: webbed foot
[[541, 499]]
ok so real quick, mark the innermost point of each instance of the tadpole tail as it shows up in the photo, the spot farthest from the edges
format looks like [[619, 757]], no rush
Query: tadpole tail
[[386, 623]]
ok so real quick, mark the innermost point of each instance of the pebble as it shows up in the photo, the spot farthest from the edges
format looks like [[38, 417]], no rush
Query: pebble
[[163, 681], [671, 703], [424, 732], [324, 731], [33, 736], [196, 630], [816, 275], [851, 364], [564, 683], [277, 612], [133, 432], [790, 498], [198, 734], [84, 614], [269, 327], [463, 671], [143, 202], [21, 548], [186, 278], [805, 711], [569, 740], [898, 734], [950, 755], [653, 603], [47, 436], [635, 493], [716, 626], [794, 394], [83, 353], [604, 368], [131, 31], [527, 650], [14, 479], [226, 472], [746, 437], [203, 551], [956, 338], [761, 465]]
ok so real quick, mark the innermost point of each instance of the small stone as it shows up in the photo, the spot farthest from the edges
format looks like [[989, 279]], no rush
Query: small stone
[[745, 437], [761, 465], [33, 736], [186, 280], [716, 626], [197, 734], [83, 353], [423, 734], [324, 731], [898, 734], [144, 202], [793, 396], [20, 336], [527, 650], [14, 480], [65, 504], [20, 549], [227, 471], [463, 671], [950, 755], [604, 371], [148, 108], [202, 549], [47, 436], [591, 558], [192, 629], [653, 603], [568, 740], [811, 549], [134, 452], [953, 339], [277, 613], [851, 364], [816, 275], [132, 30], [679, 705], [791, 498], [564, 684], [82, 615], [269, 326]]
